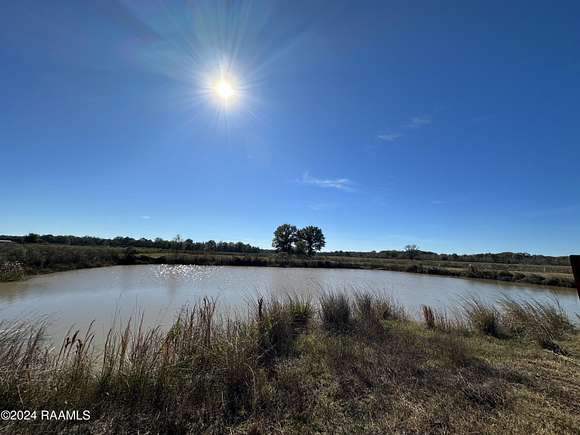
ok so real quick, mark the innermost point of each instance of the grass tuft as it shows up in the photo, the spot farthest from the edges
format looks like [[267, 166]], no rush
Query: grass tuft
[[482, 317], [542, 322], [336, 312]]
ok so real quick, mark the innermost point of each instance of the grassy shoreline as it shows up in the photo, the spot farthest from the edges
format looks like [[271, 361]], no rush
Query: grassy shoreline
[[337, 365], [38, 259]]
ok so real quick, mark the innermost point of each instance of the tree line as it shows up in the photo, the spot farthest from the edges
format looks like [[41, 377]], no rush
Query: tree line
[[304, 241], [412, 252], [177, 243], [291, 240]]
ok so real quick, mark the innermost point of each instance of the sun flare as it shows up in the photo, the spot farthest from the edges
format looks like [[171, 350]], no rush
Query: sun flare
[[224, 90]]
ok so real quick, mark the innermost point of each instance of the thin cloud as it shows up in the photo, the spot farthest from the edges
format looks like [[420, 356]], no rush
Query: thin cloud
[[416, 122], [145, 217], [390, 137], [419, 121], [338, 183]]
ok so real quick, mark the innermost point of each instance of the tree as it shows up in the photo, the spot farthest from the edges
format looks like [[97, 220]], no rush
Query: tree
[[312, 238], [177, 242], [412, 251], [32, 238], [284, 238], [300, 247]]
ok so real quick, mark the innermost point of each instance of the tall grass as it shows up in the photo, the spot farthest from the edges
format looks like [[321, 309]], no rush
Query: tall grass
[[482, 317], [336, 312], [543, 322], [208, 373], [441, 321], [279, 323]]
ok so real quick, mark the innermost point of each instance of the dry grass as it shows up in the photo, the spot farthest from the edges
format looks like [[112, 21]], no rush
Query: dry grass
[[336, 312], [482, 317], [352, 365], [442, 321], [543, 322]]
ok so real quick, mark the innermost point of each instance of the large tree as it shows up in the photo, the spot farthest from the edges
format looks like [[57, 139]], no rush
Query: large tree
[[284, 238], [312, 238]]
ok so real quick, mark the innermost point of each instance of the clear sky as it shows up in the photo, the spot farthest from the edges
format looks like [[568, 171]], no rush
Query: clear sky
[[450, 124]]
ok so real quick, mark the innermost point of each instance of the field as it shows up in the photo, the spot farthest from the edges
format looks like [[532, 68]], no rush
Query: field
[[335, 365], [20, 260]]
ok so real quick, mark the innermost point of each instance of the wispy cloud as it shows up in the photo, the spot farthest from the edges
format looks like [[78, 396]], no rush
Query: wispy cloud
[[145, 217], [337, 183], [415, 122], [419, 121], [390, 137]]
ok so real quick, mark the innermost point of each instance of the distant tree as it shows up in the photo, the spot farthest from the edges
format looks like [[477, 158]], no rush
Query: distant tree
[[32, 238], [211, 245], [412, 251], [284, 238], [177, 242], [312, 239]]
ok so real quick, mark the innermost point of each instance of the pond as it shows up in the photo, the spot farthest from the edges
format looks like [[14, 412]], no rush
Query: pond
[[111, 295]]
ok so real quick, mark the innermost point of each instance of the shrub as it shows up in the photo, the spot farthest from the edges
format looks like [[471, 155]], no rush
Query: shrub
[[504, 275], [534, 278]]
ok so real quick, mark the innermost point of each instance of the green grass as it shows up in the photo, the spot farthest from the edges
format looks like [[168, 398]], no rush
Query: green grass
[[336, 365]]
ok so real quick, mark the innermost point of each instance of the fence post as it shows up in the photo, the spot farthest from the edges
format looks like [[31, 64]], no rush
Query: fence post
[[575, 261]]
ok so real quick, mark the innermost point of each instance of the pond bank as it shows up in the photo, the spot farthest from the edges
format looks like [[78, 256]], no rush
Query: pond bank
[[39, 259]]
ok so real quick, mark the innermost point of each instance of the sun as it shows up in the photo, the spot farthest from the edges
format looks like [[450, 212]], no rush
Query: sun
[[224, 89]]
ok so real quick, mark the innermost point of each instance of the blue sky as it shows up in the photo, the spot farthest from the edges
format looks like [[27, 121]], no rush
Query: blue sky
[[452, 124]]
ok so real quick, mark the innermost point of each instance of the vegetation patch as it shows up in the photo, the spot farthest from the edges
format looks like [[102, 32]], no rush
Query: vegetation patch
[[342, 365]]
